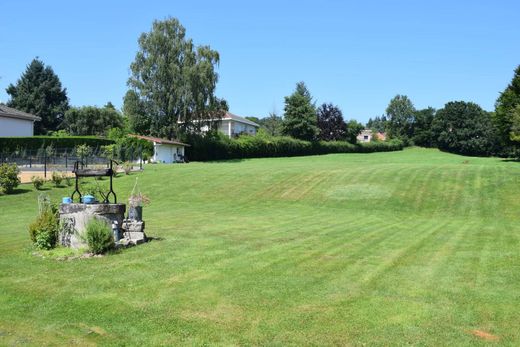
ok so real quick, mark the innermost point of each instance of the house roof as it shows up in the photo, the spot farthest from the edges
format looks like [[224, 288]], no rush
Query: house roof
[[13, 113], [236, 118], [159, 140]]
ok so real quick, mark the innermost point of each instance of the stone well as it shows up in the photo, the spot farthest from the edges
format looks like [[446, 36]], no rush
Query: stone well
[[75, 217]]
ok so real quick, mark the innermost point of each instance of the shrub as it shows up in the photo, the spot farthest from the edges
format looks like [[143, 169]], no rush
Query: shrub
[[44, 230], [98, 236], [83, 150], [56, 178], [9, 177], [37, 182]]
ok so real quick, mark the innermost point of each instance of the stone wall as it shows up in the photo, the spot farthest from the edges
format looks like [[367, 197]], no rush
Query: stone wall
[[75, 217]]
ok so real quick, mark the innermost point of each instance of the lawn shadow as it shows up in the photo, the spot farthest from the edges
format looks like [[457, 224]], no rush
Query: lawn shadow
[[153, 238], [511, 160], [18, 191], [226, 161]]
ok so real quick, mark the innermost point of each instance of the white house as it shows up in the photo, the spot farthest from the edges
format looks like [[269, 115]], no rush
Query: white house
[[233, 125], [16, 123], [367, 135], [165, 151]]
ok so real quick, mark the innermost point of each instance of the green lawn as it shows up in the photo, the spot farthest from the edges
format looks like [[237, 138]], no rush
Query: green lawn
[[415, 247]]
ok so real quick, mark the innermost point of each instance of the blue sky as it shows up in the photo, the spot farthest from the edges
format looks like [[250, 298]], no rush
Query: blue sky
[[356, 54]]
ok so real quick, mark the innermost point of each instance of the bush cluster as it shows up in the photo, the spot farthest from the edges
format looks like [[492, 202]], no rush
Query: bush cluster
[[98, 236], [9, 178], [220, 147]]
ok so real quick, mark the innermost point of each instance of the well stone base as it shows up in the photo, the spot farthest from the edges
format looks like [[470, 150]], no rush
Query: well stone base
[[75, 217]]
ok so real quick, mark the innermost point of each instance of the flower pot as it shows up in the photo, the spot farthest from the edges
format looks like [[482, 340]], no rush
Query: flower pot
[[135, 213]]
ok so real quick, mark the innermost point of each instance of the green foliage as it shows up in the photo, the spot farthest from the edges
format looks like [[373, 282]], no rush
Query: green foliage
[[300, 119], [39, 92], [175, 82], [134, 109], [9, 177], [464, 128], [91, 120], [56, 178], [422, 128], [98, 236], [37, 182], [505, 118], [400, 112], [378, 124], [272, 124], [218, 147], [353, 129], [44, 230], [331, 125], [12, 144], [83, 150]]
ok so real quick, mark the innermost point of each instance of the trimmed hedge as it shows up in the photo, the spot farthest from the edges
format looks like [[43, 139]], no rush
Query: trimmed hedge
[[220, 147], [11, 144]]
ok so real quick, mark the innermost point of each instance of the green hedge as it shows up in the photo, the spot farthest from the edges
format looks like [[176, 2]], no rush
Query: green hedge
[[11, 144], [219, 147]]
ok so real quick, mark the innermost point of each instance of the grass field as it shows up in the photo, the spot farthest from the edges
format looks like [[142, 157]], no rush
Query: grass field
[[415, 247]]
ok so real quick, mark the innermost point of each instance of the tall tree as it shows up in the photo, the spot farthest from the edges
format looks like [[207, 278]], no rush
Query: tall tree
[[400, 112], [465, 128], [353, 130], [300, 119], [330, 122], [38, 91], [135, 113], [422, 132], [175, 80], [505, 117], [91, 120]]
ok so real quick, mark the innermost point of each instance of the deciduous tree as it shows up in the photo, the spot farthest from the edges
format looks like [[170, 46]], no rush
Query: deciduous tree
[[465, 128], [175, 80], [400, 112], [330, 122], [353, 130], [91, 120]]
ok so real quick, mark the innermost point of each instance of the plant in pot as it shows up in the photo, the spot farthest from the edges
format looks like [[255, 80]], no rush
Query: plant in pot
[[136, 201]]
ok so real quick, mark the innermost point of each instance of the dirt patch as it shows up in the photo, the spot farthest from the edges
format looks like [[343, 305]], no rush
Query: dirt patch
[[484, 335], [25, 176]]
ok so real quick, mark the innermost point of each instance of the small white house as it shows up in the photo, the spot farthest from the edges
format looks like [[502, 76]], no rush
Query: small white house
[[16, 123], [165, 151]]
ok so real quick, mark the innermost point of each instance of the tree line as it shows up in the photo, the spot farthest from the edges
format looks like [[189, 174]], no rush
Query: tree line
[[171, 92]]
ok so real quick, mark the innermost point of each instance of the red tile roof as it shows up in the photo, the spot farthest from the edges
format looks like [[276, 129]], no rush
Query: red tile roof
[[159, 140]]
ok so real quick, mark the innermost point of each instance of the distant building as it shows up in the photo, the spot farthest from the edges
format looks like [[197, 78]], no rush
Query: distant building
[[367, 135], [16, 123], [165, 151], [232, 125]]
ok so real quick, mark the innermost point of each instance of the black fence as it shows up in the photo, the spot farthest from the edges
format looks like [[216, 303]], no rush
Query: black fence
[[63, 159]]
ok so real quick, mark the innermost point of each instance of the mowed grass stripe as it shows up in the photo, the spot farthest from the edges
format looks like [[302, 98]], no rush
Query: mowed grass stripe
[[416, 247]]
